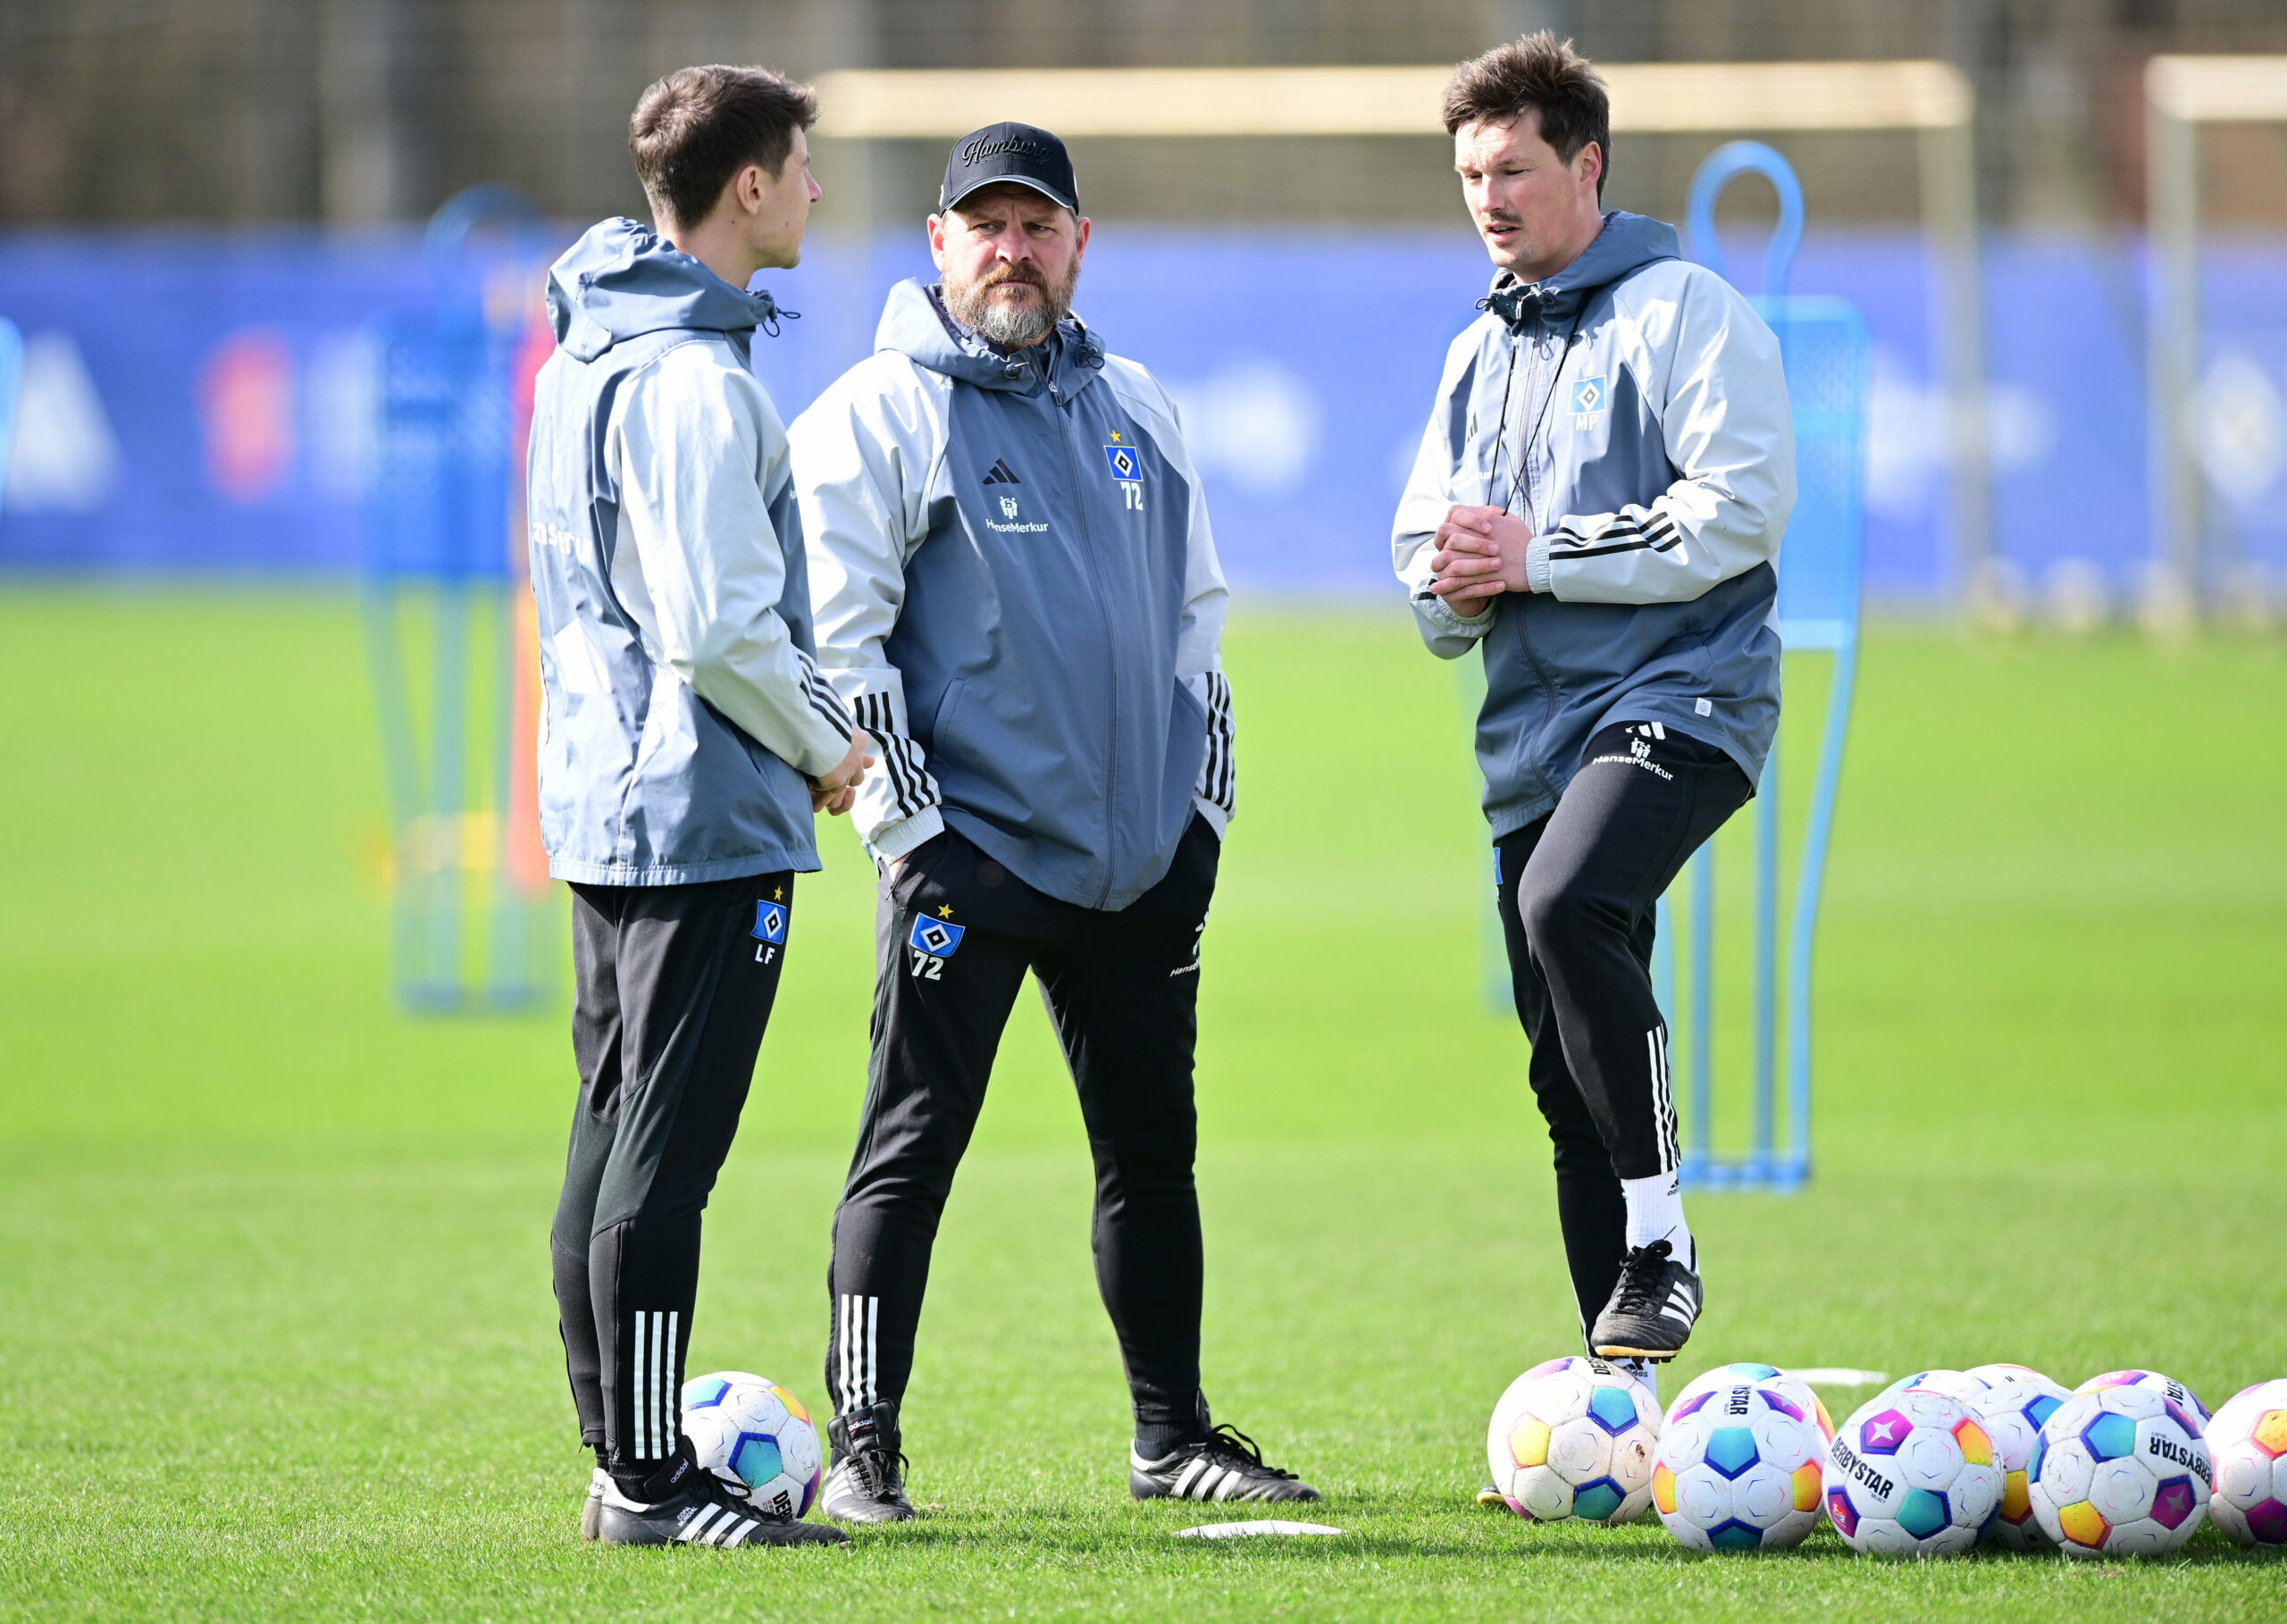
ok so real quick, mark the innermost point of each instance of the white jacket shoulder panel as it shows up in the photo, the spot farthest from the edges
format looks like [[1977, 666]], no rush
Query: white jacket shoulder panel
[[1714, 372], [869, 456], [694, 445]]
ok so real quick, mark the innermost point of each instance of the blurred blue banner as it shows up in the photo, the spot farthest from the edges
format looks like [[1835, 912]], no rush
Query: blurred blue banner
[[207, 402]]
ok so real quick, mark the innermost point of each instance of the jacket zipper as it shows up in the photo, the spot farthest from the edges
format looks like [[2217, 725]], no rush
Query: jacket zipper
[[1524, 637], [1058, 406]]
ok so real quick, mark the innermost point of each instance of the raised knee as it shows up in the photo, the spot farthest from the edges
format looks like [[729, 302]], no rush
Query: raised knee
[[1551, 910]]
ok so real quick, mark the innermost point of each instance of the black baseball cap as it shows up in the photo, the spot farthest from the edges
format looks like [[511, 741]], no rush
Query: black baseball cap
[[1020, 153]]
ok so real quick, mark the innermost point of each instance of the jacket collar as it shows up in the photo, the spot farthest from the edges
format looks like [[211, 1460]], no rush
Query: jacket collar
[[1625, 245], [916, 324]]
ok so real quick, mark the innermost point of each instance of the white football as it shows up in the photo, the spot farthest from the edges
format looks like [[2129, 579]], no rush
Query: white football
[[755, 1435], [2247, 1444], [1572, 1438], [2016, 1403], [2120, 1471], [1912, 1473], [1738, 1469]]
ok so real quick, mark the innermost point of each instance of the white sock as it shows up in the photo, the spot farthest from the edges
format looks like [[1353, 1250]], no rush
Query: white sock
[[1655, 1213], [1643, 1370]]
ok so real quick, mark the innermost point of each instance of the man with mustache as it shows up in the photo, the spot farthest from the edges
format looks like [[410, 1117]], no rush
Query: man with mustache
[[1596, 507], [1017, 594]]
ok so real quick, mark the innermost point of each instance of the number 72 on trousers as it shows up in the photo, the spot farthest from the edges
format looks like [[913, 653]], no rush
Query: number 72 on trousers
[[932, 941]]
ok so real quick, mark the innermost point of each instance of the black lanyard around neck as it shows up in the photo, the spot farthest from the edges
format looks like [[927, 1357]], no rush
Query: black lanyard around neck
[[1522, 481]]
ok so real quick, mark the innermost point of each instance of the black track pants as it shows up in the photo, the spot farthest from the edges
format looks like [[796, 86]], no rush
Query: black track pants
[[675, 987], [1577, 890], [958, 933]]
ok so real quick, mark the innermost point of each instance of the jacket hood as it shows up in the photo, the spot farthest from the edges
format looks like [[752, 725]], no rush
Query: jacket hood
[[1627, 244], [916, 325], [621, 281]]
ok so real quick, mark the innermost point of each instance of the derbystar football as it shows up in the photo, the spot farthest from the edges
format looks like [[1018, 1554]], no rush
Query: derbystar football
[[1793, 1387], [1912, 1473], [2166, 1387], [2120, 1471], [754, 1435], [1572, 1438], [1738, 1469], [1953, 1384], [2014, 1407], [2247, 1442]]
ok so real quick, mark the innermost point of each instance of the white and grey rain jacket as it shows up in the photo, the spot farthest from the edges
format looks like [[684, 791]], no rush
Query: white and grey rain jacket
[[1016, 591], [683, 712], [1632, 409]]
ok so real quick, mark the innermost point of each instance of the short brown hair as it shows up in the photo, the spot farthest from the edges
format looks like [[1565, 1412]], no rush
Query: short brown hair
[[1537, 73], [698, 127]]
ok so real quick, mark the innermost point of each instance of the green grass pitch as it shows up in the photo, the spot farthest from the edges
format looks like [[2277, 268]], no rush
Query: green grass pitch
[[275, 1338]]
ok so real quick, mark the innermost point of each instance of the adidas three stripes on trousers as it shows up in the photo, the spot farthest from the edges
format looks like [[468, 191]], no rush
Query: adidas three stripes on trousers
[[675, 986], [958, 936], [1578, 892]]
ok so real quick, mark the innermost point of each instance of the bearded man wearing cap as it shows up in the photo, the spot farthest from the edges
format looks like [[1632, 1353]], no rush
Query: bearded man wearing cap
[[1017, 594]]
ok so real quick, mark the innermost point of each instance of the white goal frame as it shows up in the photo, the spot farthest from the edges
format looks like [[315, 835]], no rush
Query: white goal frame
[[1931, 100], [2181, 94]]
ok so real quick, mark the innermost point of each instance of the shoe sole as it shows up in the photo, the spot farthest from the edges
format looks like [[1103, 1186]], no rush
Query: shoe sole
[[1657, 1356], [812, 1534], [1156, 1493], [858, 1519]]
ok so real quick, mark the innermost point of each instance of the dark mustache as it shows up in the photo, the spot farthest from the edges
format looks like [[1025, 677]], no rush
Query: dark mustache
[[1017, 273]]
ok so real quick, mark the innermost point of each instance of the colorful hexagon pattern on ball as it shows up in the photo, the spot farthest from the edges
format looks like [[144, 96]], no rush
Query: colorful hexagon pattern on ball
[[2014, 1405], [1572, 1440], [2247, 1442], [1790, 1391], [1912, 1473], [1738, 1469], [755, 1435], [2189, 1412], [2122, 1469]]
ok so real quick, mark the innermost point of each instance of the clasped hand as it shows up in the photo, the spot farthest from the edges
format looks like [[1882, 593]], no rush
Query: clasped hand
[[1480, 555], [837, 791]]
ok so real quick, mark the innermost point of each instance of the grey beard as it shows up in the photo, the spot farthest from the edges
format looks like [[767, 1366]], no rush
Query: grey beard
[[1009, 326]]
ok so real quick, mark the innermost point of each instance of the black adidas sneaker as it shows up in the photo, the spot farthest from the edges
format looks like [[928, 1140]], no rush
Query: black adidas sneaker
[[1224, 1465], [700, 1508], [1652, 1309], [867, 1482]]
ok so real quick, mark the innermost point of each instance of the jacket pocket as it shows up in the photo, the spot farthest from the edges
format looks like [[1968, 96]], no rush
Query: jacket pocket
[[942, 719]]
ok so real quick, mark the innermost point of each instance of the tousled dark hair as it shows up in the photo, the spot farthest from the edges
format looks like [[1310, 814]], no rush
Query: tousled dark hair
[[1542, 74], [698, 127]]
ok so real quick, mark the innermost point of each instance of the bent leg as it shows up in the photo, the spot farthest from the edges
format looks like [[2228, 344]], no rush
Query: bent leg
[[1646, 799], [1590, 1212]]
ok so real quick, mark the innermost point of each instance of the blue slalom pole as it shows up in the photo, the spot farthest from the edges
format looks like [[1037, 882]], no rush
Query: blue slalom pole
[[11, 375], [1766, 967], [1803, 930], [1701, 1055]]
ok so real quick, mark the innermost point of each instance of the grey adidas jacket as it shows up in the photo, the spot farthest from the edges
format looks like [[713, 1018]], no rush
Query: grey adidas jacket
[[1633, 409], [1017, 592], [680, 708]]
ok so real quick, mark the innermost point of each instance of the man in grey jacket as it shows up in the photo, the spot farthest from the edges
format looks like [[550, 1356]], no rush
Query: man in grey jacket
[[687, 740], [1598, 507], [1017, 593]]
